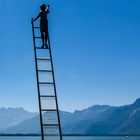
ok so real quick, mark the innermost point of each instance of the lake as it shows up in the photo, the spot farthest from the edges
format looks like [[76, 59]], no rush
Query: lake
[[71, 138]]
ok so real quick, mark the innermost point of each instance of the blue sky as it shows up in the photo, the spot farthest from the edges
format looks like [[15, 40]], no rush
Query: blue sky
[[96, 51]]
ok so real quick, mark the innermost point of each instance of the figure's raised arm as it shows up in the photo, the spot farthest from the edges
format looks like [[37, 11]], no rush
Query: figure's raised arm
[[48, 6]]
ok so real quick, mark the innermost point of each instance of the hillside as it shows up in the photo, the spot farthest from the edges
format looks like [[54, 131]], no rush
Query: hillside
[[96, 120], [13, 116]]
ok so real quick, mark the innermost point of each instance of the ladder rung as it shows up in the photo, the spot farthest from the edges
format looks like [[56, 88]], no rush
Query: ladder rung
[[36, 27], [41, 48], [44, 70], [47, 96], [50, 124], [43, 58], [48, 110], [52, 134], [46, 83], [38, 37]]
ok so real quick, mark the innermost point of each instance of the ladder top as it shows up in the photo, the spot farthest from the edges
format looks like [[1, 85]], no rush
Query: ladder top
[[38, 37]]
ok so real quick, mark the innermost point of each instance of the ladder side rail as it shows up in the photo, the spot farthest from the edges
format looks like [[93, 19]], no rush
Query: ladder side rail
[[37, 78], [54, 87]]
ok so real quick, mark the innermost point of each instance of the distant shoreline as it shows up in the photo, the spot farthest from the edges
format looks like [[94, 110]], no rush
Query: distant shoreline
[[69, 135]]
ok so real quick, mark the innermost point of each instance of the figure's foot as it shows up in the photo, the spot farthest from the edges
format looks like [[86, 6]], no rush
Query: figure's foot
[[42, 46], [46, 45]]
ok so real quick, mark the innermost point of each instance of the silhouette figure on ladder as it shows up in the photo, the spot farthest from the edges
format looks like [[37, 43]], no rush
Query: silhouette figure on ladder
[[43, 24]]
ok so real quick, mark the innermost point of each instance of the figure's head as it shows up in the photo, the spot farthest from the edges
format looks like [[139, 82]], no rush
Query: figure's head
[[43, 7]]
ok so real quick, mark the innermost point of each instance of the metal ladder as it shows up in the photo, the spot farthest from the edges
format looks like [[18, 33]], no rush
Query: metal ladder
[[47, 97]]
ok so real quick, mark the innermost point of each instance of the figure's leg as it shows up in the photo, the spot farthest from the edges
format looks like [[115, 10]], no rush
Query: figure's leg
[[42, 34], [46, 35], [46, 39], [42, 37]]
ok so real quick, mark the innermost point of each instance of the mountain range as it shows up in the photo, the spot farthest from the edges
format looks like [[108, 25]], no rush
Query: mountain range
[[13, 116], [104, 120], [95, 120]]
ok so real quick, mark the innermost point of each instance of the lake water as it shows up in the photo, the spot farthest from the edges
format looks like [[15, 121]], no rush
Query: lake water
[[71, 138]]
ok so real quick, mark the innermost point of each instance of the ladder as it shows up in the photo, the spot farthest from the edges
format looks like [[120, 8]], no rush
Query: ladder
[[47, 97]]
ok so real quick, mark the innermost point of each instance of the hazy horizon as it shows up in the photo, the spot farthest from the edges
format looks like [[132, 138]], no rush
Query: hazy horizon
[[37, 109]]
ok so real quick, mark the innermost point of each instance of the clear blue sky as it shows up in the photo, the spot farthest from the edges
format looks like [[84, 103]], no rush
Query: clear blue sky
[[96, 50]]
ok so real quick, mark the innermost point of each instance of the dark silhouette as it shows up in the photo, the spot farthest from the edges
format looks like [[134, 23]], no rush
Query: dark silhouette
[[43, 24]]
